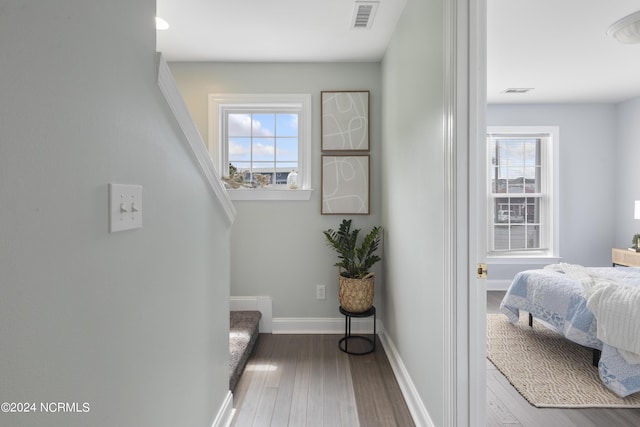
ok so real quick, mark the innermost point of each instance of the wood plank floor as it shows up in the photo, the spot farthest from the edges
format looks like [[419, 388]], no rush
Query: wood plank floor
[[305, 380], [506, 407]]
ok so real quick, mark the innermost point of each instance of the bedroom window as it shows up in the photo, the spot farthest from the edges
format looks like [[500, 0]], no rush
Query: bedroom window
[[522, 191], [258, 138]]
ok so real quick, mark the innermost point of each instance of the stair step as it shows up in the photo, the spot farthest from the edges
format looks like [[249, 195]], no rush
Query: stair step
[[243, 333]]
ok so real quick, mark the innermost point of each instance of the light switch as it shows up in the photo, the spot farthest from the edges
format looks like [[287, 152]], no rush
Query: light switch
[[125, 207]]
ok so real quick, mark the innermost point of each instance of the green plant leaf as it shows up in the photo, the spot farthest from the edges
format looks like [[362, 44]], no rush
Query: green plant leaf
[[355, 260]]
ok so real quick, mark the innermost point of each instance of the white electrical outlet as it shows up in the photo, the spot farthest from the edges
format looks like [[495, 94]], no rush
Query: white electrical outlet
[[321, 292]]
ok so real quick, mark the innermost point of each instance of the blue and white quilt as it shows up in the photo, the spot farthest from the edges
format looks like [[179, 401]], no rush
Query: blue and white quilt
[[560, 303]]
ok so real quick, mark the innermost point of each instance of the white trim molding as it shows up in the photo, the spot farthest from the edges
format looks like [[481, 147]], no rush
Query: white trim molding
[[472, 371], [498, 285], [323, 325], [225, 413], [269, 194], [169, 89], [454, 88], [416, 407]]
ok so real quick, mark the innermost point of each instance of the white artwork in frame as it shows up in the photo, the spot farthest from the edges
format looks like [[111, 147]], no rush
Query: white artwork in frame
[[345, 184], [345, 120]]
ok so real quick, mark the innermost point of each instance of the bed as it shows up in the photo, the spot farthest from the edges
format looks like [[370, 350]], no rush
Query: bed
[[562, 297]]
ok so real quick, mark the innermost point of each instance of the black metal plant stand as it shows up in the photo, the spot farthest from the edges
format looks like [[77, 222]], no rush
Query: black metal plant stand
[[343, 344]]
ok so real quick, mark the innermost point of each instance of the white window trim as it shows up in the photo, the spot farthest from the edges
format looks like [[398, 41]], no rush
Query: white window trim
[[219, 102], [551, 154]]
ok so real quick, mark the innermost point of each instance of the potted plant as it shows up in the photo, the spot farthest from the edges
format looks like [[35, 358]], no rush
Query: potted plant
[[355, 281]]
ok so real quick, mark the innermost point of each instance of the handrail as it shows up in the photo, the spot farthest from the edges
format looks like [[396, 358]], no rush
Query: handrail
[[170, 91]]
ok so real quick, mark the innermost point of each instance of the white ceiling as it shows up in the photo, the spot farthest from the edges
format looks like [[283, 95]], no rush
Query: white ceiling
[[273, 30], [559, 48]]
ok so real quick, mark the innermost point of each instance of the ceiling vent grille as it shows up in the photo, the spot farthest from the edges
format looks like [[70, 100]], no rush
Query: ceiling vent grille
[[518, 90], [363, 14]]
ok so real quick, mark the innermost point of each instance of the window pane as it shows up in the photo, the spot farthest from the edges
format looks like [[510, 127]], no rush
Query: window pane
[[497, 184], [515, 165], [516, 222], [512, 209], [286, 166], [501, 238], [262, 175], [263, 149], [242, 168], [283, 169], [263, 124], [239, 125], [287, 149], [518, 237], [287, 125], [531, 184], [532, 210], [502, 211], [239, 149], [515, 184], [533, 237]]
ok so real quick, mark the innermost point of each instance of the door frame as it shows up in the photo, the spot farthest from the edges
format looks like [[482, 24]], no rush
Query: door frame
[[470, 248], [478, 211]]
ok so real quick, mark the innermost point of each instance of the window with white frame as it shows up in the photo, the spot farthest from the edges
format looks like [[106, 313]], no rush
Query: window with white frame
[[257, 140], [522, 191]]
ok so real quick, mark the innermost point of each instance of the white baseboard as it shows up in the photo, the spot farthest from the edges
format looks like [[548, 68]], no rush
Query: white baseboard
[[497, 285], [296, 325], [226, 412], [261, 304], [416, 407], [322, 325]]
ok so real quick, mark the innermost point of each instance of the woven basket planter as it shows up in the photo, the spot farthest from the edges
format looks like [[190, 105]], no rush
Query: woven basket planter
[[356, 295]]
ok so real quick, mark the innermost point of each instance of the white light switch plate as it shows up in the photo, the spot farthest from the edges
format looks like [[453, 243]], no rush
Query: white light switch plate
[[125, 207]]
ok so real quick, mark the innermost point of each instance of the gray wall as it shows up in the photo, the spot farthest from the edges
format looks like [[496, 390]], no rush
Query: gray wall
[[587, 177], [627, 171], [130, 323], [278, 249], [413, 188]]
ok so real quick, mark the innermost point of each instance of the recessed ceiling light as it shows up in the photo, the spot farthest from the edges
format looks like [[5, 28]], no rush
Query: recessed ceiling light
[[627, 29], [517, 90], [161, 24]]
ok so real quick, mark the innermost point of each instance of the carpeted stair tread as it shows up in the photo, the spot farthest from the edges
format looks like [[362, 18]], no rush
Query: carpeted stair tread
[[243, 333]]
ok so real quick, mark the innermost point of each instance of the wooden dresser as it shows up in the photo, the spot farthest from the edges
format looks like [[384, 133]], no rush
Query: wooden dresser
[[625, 257]]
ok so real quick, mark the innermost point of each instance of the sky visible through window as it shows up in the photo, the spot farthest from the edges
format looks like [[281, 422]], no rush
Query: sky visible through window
[[515, 158], [264, 140]]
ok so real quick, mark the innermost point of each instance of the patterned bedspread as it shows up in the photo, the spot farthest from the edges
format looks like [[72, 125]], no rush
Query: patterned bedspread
[[559, 302]]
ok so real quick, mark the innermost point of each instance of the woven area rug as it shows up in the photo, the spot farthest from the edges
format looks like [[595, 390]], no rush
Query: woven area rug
[[547, 369]]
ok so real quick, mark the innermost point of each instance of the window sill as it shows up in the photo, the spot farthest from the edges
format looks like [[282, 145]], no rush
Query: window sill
[[520, 259], [269, 194]]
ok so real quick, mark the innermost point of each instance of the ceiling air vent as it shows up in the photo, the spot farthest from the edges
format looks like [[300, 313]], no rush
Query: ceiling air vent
[[363, 14], [518, 90]]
